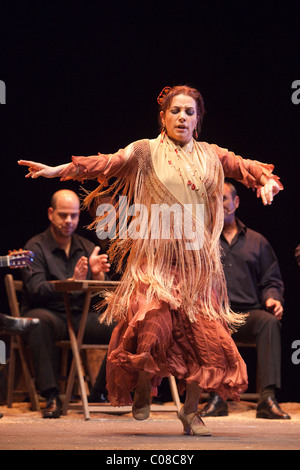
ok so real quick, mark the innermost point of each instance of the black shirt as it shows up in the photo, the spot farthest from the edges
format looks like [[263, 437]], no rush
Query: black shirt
[[50, 264], [251, 269]]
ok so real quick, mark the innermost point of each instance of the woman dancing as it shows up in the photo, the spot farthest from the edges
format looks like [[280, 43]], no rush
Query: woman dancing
[[171, 305]]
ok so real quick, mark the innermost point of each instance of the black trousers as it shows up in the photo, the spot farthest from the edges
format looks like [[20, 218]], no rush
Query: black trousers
[[264, 329], [52, 328]]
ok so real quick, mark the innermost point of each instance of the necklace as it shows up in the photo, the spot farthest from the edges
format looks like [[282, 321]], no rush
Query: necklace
[[182, 160]]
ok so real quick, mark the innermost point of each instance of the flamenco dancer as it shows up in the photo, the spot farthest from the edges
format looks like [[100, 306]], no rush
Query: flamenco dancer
[[171, 307]]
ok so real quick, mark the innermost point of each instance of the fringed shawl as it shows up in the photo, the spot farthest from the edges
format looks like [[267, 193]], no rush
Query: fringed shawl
[[189, 279]]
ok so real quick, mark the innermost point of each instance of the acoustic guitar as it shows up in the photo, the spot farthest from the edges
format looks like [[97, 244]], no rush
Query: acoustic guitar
[[17, 259]]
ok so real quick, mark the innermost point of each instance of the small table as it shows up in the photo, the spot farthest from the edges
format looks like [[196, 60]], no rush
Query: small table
[[89, 288]]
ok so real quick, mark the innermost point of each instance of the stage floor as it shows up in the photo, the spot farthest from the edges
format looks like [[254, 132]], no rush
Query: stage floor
[[21, 429]]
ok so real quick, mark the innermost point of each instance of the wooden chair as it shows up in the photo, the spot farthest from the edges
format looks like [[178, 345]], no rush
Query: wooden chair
[[17, 347], [90, 373]]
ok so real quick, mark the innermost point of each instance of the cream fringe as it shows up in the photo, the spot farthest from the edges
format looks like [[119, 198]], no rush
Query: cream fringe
[[192, 280]]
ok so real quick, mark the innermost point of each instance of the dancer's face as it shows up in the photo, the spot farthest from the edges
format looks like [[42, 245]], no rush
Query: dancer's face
[[180, 119]]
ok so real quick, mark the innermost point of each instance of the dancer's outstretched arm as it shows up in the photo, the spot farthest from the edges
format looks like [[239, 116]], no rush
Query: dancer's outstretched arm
[[36, 169]]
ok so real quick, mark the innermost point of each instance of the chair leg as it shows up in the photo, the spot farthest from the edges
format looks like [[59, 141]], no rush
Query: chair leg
[[64, 369], [174, 392], [11, 372], [28, 378], [87, 369]]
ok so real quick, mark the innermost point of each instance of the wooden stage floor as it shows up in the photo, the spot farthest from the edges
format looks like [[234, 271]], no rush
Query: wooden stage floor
[[21, 429]]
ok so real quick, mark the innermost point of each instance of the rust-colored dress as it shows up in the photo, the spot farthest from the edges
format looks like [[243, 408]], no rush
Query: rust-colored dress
[[171, 306]]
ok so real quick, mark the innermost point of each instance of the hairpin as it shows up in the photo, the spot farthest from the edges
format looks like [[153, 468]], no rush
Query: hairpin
[[163, 94]]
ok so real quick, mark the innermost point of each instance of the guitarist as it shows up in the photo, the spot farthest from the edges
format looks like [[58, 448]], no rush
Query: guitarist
[[59, 254]]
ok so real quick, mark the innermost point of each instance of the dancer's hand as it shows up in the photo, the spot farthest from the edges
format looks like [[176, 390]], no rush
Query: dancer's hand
[[39, 169], [268, 191]]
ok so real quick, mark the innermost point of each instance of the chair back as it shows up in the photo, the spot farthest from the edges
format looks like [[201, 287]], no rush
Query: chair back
[[13, 286]]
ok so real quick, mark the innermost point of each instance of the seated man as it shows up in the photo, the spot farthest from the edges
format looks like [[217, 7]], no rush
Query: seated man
[[254, 285], [59, 254]]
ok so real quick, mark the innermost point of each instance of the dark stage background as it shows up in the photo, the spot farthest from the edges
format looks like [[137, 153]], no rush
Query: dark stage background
[[83, 77]]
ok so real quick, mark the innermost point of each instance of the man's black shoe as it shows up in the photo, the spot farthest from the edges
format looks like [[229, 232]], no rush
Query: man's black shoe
[[15, 326], [53, 409], [1, 415], [269, 409], [215, 407]]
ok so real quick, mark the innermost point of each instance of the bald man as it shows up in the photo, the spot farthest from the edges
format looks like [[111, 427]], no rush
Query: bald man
[[59, 254]]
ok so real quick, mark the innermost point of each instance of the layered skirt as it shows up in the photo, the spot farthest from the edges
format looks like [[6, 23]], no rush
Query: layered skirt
[[164, 342]]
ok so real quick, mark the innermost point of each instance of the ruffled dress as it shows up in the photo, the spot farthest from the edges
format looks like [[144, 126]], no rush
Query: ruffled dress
[[171, 307]]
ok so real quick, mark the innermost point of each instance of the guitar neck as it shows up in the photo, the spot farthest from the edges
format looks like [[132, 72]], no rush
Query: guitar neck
[[4, 261]]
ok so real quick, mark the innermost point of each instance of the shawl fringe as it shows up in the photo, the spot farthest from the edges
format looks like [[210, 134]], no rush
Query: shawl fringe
[[188, 279]]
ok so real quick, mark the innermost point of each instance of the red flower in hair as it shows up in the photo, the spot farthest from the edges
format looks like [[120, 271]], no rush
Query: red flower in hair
[[163, 93]]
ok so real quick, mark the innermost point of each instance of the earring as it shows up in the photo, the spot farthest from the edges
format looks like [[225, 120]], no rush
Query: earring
[[196, 133]]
